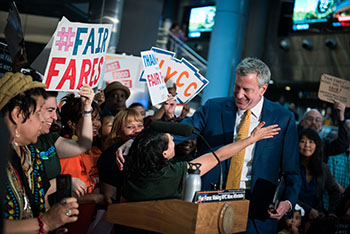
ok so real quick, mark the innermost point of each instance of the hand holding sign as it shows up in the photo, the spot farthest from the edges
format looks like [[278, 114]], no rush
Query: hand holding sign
[[87, 96], [340, 107], [169, 107]]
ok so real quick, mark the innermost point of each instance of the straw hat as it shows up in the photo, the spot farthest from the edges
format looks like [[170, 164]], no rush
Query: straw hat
[[115, 86], [11, 84]]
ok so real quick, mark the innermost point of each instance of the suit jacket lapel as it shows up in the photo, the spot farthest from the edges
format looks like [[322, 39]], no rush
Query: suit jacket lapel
[[267, 115], [229, 120]]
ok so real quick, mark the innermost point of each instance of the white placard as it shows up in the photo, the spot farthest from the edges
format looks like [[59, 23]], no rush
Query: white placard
[[189, 82], [77, 55], [156, 87]]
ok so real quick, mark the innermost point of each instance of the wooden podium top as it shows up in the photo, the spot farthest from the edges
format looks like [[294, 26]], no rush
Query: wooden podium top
[[178, 216]]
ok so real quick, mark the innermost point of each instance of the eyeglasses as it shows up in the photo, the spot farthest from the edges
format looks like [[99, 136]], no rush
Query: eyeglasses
[[132, 127], [312, 119]]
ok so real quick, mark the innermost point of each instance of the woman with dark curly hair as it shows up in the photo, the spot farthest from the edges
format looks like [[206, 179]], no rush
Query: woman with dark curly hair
[[21, 100], [150, 175], [82, 166], [316, 177]]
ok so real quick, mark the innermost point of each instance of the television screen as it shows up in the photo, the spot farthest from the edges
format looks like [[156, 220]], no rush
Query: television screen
[[201, 20], [318, 14]]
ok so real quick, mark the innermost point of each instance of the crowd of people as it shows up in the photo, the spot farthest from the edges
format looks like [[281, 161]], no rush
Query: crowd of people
[[114, 156]]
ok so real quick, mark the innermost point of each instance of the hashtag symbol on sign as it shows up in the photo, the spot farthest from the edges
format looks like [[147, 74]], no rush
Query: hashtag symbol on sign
[[65, 38]]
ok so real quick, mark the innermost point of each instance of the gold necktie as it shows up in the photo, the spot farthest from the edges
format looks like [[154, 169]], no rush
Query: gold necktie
[[235, 171]]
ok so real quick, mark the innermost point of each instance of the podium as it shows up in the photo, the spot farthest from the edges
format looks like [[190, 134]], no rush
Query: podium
[[177, 216]]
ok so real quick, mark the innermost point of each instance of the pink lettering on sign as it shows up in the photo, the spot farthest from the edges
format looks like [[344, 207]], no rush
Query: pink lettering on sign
[[154, 79], [112, 66], [127, 83], [122, 74]]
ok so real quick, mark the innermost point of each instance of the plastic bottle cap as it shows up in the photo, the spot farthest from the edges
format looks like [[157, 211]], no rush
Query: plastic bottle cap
[[194, 168]]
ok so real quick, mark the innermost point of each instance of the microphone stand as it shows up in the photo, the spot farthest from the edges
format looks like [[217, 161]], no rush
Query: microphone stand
[[217, 158]]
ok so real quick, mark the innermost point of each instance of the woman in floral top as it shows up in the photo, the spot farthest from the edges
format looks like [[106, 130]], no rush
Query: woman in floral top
[[25, 212]]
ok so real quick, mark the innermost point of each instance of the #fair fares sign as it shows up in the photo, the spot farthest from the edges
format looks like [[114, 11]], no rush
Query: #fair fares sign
[[189, 82], [156, 87], [77, 55]]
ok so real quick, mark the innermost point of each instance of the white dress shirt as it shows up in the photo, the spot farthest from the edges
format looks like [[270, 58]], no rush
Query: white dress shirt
[[255, 118]]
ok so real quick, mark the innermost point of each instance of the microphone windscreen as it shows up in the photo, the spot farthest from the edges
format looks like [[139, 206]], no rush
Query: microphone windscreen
[[174, 128]]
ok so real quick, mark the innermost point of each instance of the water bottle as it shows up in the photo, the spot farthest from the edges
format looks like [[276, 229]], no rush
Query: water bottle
[[193, 181]]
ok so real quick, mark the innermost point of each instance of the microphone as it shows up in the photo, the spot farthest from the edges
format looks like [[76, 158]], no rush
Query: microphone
[[217, 158], [174, 128]]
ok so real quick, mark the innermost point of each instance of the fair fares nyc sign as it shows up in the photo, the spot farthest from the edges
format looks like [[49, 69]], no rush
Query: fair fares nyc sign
[[77, 55], [189, 82], [156, 87]]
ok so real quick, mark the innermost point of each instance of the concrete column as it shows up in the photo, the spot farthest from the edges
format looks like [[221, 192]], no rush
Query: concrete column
[[225, 46]]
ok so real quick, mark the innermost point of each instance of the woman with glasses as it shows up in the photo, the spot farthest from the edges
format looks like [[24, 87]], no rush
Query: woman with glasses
[[127, 124]]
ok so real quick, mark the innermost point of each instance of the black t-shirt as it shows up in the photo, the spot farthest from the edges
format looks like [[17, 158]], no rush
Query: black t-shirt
[[48, 153], [164, 184], [107, 167]]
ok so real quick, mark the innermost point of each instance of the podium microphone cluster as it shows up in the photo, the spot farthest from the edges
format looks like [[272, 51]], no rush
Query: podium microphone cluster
[[185, 130]]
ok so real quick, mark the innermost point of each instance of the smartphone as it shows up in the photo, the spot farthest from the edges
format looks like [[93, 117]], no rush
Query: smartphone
[[63, 189], [63, 186]]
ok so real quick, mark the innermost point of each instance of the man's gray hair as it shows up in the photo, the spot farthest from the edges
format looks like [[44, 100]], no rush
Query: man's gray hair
[[307, 113], [254, 65]]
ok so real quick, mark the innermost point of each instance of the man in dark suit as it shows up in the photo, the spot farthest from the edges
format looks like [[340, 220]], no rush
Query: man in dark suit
[[218, 121]]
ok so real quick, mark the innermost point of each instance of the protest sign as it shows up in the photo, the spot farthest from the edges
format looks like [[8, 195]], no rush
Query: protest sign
[[5, 59], [14, 32], [77, 55], [126, 70], [189, 82], [156, 87], [123, 68], [333, 88]]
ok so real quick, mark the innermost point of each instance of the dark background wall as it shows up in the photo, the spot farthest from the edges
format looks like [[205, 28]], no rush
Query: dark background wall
[[268, 24], [139, 26]]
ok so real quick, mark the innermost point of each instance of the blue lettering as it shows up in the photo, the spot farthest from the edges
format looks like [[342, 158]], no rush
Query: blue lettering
[[153, 59], [146, 60], [78, 41], [100, 31], [90, 42], [150, 60], [105, 36]]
